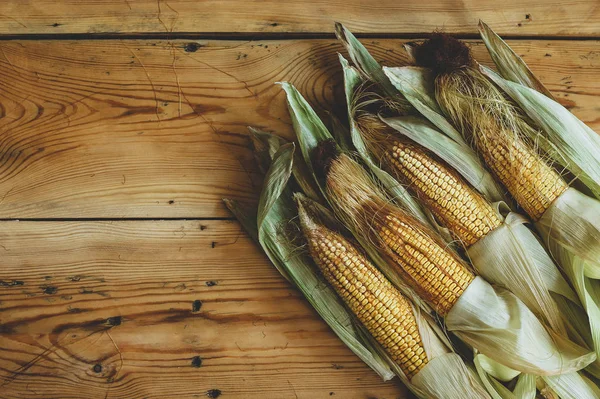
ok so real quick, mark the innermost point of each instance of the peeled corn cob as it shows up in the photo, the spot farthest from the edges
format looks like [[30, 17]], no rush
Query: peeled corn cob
[[380, 307]]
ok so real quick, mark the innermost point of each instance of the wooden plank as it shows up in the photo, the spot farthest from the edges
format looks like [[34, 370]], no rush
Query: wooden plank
[[511, 17], [152, 129], [121, 310]]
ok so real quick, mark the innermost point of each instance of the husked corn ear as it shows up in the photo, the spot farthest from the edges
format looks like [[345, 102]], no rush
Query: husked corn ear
[[532, 182], [460, 208], [382, 309], [437, 274]]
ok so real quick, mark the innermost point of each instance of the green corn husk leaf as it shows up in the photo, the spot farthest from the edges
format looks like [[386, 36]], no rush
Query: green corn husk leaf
[[265, 145], [401, 196], [525, 388], [509, 64], [369, 68], [276, 208], [417, 86], [501, 327], [341, 134], [310, 131], [564, 137]]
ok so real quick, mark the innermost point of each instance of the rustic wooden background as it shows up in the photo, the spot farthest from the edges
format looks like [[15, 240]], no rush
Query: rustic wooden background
[[123, 124]]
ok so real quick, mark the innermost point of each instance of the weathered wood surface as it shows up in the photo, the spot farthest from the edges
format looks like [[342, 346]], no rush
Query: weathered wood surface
[[121, 309], [510, 17], [155, 129]]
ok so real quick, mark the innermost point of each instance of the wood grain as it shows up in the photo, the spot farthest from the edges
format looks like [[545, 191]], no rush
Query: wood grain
[[154, 129], [121, 309], [510, 17]]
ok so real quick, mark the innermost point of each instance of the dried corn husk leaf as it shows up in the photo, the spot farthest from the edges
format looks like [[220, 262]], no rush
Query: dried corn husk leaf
[[495, 369], [417, 86], [564, 137], [492, 386], [571, 386], [525, 388], [509, 64], [512, 257], [571, 230], [277, 207], [310, 131], [447, 377], [265, 145], [501, 327], [369, 68]]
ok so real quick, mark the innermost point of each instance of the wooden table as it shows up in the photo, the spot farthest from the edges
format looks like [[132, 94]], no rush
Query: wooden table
[[123, 124]]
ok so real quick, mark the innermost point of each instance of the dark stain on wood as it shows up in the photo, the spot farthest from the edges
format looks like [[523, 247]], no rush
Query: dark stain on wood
[[196, 361], [12, 283], [196, 305], [49, 289], [191, 47], [213, 393]]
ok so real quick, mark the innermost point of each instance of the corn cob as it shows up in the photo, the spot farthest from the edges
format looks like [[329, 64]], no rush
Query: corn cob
[[440, 276], [382, 309], [498, 131], [452, 200], [437, 274], [532, 182]]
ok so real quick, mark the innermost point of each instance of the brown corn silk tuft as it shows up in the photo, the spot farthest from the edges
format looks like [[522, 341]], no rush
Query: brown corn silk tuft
[[379, 306], [422, 259], [449, 197]]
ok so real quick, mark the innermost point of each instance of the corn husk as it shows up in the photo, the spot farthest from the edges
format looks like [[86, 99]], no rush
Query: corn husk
[[501, 327], [509, 64], [570, 229], [569, 142], [276, 207], [265, 145]]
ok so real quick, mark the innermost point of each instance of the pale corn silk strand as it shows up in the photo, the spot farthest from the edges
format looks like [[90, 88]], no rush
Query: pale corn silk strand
[[431, 369], [504, 329], [501, 257]]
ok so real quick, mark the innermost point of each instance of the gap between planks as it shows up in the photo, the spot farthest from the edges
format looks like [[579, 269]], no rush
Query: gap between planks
[[256, 36]]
